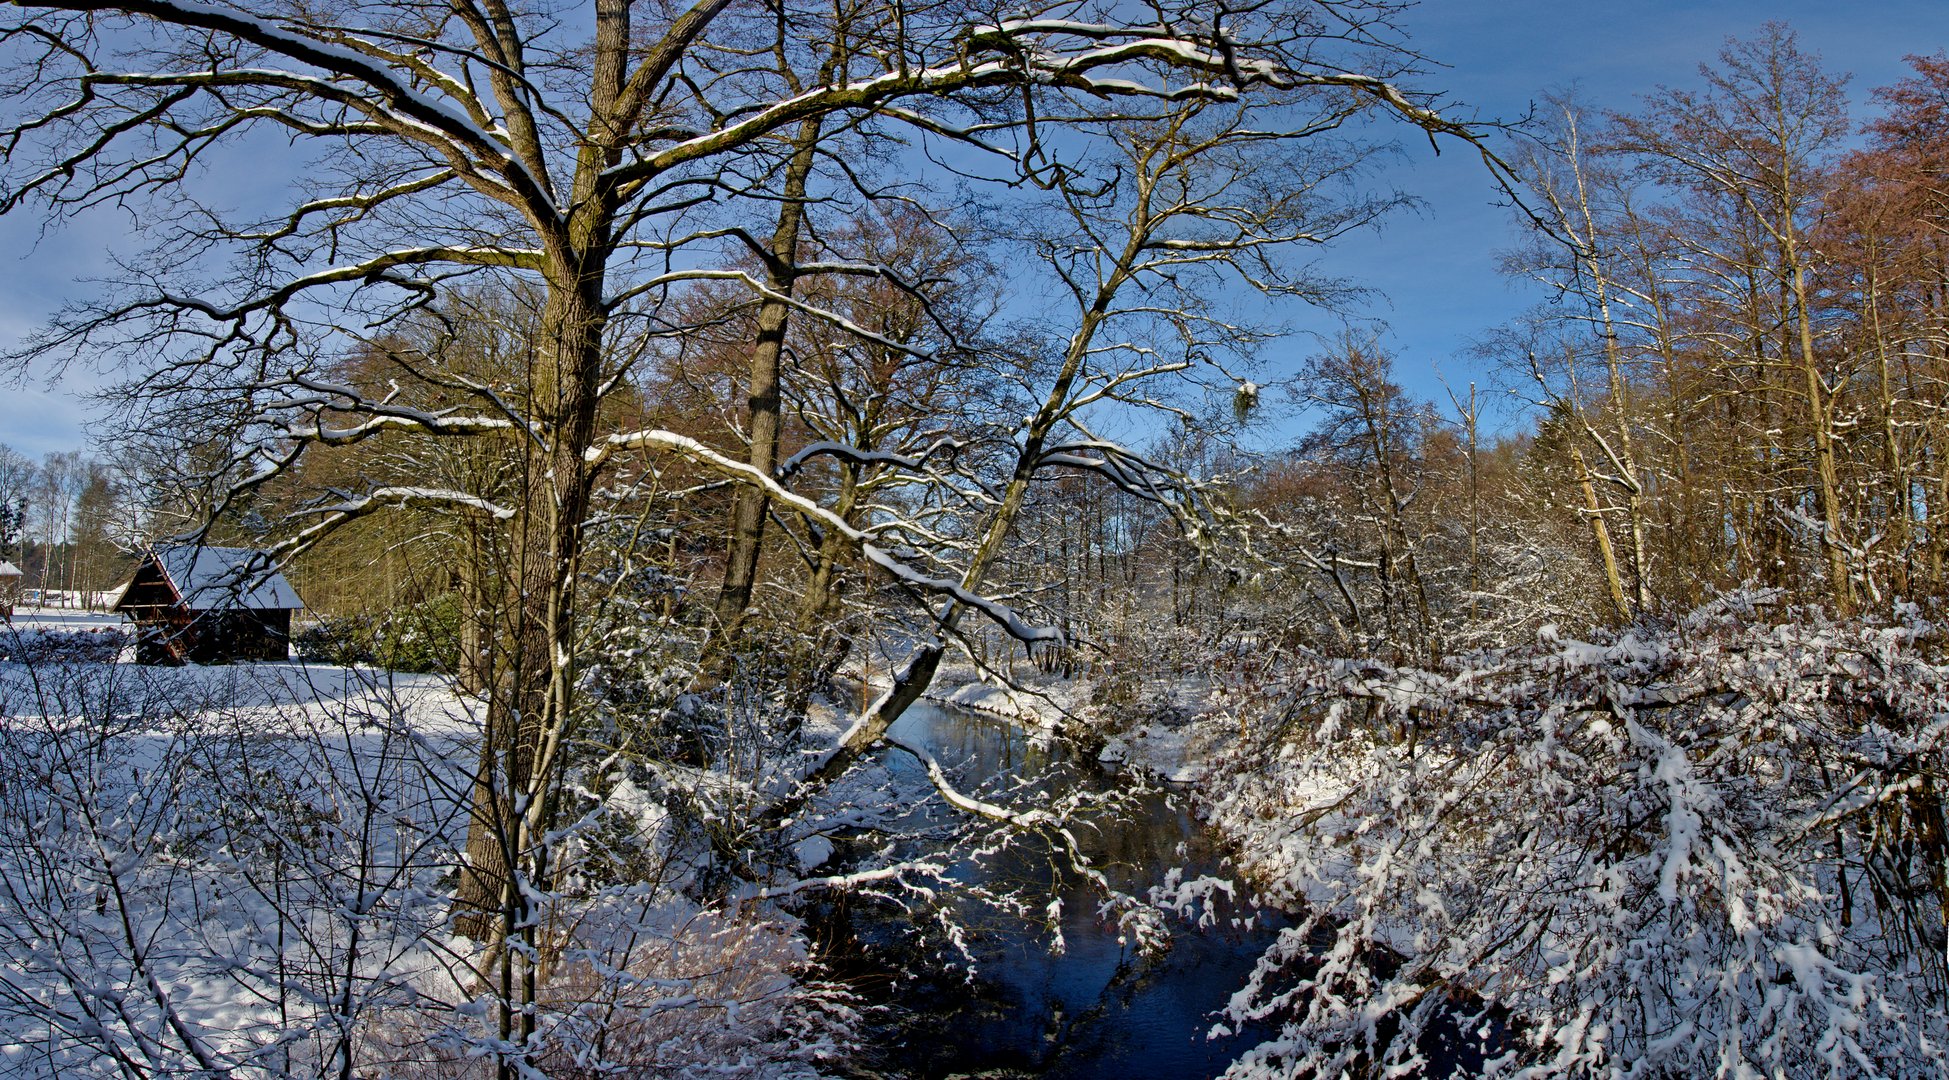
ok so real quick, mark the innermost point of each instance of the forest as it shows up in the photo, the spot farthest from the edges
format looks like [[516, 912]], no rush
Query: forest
[[685, 423]]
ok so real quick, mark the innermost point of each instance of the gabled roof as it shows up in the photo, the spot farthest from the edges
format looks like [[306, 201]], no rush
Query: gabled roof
[[8, 569], [207, 578]]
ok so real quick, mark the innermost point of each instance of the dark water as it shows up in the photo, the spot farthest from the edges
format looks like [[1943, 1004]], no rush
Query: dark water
[[1096, 1009]]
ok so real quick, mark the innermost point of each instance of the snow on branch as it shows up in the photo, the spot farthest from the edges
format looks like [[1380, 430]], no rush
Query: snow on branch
[[378, 416], [402, 497], [843, 882], [1635, 849], [1002, 615], [1141, 920], [765, 291], [451, 120], [915, 463]]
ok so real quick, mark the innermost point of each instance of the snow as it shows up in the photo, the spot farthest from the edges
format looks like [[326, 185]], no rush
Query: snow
[[46, 617], [226, 577], [111, 912], [812, 852], [1604, 841], [1165, 751], [1623, 855], [247, 870]]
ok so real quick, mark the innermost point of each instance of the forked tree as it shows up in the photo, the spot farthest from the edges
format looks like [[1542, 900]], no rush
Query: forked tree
[[603, 157]]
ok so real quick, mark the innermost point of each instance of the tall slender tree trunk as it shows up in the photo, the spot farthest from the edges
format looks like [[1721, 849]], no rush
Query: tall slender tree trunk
[[762, 400], [474, 669], [819, 645], [1623, 458], [1901, 502], [1820, 414], [1601, 533]]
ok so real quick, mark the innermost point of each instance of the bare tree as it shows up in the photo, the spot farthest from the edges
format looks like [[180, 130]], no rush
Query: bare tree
[[16, 479], [1197, 194], [1755, 142], [600, 160], [57, 486], [1580, 260], [1371, 428]]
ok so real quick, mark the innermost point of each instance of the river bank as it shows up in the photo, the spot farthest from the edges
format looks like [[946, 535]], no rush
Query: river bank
[[1040, 980]]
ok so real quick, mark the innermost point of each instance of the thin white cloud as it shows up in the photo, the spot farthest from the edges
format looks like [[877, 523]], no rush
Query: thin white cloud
[[35, 421]]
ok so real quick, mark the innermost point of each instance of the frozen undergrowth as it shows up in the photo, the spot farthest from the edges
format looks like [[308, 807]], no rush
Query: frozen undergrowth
[[247, 871], [1712, 847], [22, 644], [1708, 848]]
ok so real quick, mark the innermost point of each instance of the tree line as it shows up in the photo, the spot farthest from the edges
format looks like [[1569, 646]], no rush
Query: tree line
[[67, 524], [1744, 358], [1735, 381]]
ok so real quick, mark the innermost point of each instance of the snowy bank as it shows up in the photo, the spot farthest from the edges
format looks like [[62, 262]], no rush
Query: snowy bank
[[1700, 848]]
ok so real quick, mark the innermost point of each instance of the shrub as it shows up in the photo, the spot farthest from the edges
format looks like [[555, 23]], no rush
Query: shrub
[[97, 646], [423, 637], [1708, 847]]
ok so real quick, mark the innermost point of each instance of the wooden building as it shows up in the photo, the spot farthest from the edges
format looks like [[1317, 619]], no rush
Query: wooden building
[[209, 605], [11, 583]]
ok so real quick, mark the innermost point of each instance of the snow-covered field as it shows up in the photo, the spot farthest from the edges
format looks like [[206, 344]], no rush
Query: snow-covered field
[[37, 617], [248, 869], [214, 869], [284, 690]]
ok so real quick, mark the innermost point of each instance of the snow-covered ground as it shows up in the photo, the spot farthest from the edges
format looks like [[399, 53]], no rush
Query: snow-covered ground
[[248, 869], [1645, 852], [37, 617], [284, 690], [193, 860]]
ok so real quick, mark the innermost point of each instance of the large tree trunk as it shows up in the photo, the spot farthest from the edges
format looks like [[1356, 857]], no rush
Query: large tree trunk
[[514, 803], [528, 705], [527, 724]]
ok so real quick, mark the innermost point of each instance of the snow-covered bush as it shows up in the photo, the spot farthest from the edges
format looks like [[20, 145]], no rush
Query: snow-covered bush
[[1713, 847], [664, 990], [100, 645]]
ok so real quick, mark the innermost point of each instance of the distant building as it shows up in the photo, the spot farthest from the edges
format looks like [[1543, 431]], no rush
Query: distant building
[[11, 583], [209, 605]]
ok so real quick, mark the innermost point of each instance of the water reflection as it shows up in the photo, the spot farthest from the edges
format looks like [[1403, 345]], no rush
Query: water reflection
[[1094, 1010]]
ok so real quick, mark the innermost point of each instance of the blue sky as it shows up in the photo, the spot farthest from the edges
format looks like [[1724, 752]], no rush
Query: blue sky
[[1434, 273], [1437, 272]]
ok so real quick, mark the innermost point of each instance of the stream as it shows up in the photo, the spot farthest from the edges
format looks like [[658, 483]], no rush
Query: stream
[[1096, 1009]]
